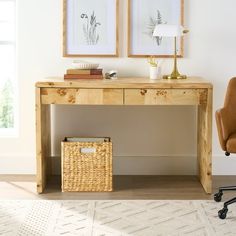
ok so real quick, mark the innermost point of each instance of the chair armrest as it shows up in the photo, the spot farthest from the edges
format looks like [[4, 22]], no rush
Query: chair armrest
[[222, 127]]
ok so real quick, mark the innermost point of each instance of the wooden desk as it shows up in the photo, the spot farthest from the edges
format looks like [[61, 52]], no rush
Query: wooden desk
[[125, 91]]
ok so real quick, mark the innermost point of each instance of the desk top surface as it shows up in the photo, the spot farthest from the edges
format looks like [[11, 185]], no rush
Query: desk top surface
[[132, 82]]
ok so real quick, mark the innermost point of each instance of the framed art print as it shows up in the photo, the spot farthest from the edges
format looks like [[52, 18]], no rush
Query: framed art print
[[90, 28], [143, 16]]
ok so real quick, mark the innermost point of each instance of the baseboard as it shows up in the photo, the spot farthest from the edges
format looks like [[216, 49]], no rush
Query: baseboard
[[17, 164]]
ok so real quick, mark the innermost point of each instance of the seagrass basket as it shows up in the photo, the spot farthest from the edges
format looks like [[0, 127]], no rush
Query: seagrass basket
[[86, 165]]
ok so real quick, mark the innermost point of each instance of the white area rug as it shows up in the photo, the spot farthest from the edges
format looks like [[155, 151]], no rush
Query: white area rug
[[115, 218]]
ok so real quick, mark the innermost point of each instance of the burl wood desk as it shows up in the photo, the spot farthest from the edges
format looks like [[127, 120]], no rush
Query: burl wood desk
[[125, 91]]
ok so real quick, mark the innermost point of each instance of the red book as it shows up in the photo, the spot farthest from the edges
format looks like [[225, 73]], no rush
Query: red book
[[66, 76]]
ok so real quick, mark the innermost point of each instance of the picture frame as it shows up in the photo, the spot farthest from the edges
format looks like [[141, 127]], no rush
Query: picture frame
[[90, 28], [143, 15]]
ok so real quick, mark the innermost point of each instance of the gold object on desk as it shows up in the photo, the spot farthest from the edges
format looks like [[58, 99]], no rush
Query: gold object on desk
[[164, 30]]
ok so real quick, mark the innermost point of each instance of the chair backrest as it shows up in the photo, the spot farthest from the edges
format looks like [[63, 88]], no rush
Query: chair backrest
[[230, 105], [226, 116], [230, 98]]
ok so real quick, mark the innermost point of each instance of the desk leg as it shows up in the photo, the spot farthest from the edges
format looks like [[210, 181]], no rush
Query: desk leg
[[43, 142], [204, 146]]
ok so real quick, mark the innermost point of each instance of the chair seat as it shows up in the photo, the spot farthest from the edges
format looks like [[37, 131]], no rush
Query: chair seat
[[231, 143]]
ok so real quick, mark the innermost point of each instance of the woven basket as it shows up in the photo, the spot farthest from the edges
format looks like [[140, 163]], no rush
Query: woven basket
[[87, 166]]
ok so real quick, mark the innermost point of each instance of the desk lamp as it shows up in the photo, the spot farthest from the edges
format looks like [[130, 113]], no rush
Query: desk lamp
[[165, 30]]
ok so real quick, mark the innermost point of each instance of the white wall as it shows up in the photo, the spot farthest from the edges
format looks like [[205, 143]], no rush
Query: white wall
[[147, 140]]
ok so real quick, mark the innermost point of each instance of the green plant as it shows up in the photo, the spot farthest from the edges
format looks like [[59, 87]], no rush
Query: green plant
[[6, 105], [153, 21], [152, 61]]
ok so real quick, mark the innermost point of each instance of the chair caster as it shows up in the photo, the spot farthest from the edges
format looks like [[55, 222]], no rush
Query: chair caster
[[227, 154], [218, 196], [223, 213]]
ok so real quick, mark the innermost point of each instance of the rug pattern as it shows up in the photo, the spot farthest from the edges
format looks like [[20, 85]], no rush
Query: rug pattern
[[115, 218]]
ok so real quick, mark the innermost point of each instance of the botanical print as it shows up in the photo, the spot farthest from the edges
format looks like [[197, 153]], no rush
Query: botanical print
[[153, 21], [144, 15], [90, 28]]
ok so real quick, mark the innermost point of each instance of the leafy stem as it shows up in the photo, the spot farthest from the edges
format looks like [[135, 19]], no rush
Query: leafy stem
[[90, 28]]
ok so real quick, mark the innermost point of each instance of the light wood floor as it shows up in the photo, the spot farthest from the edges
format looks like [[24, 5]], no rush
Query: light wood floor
[[125, 187]]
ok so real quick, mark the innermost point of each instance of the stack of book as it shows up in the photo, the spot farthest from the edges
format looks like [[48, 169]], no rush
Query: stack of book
[[83, 74]]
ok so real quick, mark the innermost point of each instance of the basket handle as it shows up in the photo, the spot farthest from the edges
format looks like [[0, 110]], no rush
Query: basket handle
[[88, 150]]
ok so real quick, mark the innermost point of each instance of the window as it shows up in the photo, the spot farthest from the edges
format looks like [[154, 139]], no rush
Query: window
[[7, 68]]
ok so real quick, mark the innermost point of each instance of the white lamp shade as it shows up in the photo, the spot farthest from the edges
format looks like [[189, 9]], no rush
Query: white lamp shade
[[164, 30]]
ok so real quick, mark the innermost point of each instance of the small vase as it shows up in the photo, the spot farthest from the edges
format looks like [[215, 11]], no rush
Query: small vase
[[155, 72]]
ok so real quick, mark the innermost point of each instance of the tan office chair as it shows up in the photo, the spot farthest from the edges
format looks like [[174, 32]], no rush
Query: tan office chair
[[226, 126]]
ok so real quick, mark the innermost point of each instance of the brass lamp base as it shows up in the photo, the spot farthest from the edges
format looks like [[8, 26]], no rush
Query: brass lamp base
[[175, 73], [174, 77]]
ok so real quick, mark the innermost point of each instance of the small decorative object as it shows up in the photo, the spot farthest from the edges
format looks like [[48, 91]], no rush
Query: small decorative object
[[155, 69], [84, 65], [143, 16], [84, 70], [152, 61], [171, 31], [111, 74], [155, 72], [90, 28]]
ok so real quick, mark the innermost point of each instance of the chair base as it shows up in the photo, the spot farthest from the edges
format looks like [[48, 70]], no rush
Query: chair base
[[227, 154], [223, 213], [218, 196]]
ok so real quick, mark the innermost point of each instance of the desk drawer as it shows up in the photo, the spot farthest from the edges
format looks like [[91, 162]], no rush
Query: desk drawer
[[163, 96], [82, 96]]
